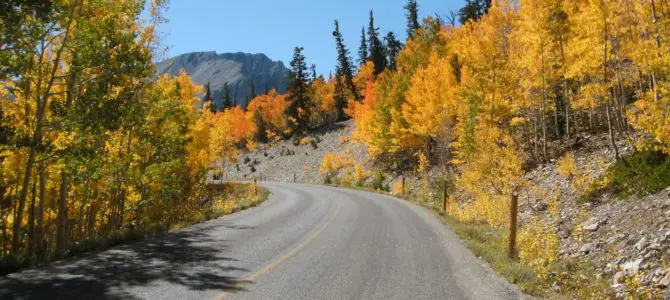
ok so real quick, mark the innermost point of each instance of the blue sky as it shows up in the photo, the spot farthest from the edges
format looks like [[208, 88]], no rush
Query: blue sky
[[276, 27]]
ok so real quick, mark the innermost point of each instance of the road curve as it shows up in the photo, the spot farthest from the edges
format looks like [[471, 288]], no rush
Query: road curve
[[305, 242]]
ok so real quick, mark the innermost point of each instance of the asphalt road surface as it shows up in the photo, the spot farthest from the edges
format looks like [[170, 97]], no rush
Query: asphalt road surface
[[305, 242]]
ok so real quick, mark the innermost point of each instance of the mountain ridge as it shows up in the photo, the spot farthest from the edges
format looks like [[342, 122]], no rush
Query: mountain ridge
[[239, 69]]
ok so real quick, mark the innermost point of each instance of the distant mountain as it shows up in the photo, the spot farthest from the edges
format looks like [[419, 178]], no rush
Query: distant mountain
[[238, 69]]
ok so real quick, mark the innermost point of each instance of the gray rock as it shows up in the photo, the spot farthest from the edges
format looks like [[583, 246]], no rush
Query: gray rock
[[613, 239], [642, 244], [588, 248], [632, 267], [665, 282], [591, 226]]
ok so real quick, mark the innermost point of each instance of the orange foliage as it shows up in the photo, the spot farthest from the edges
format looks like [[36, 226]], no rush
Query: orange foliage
[[271, 108], [243, 127]]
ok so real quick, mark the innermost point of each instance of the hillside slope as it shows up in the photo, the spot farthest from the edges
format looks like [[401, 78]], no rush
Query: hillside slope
[[280, 161]]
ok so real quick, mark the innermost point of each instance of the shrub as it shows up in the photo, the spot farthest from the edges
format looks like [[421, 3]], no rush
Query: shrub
[[332, 163], [378, 181], [247, 160], [539, 246], [640, 174], [587, 186], [360, 175], [396, 188], [566, 166], [306, 140], [296, 140]]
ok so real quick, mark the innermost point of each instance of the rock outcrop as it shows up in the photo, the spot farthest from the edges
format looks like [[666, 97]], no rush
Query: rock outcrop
[[240, 70]]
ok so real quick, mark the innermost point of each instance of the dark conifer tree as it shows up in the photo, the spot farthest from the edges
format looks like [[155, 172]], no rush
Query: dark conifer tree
[[208, 98], [473, 10], [234, 100], [313, 69], [393, 47], [363, 49], [412, 17], [298, 110], [252, 93], [344, 83], [227, 100], [376, 47]]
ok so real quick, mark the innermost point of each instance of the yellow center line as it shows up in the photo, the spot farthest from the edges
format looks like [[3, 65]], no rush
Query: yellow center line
[[286, 255]]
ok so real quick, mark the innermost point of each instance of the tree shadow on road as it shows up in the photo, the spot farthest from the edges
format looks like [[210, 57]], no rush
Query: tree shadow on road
[[190, 258]]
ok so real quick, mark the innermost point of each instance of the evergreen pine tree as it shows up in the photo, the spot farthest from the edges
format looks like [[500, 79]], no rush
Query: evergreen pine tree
[[298, 110], [227, 101], [234, 100], [393, 48], [473, 10], [208, 99], [363, 49], [344, 83], [412, 18], [376, 47], [313, 69], [252, 93]]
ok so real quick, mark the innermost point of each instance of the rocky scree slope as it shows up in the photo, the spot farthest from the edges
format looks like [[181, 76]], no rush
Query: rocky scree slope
[[278, 162], [619, 237]]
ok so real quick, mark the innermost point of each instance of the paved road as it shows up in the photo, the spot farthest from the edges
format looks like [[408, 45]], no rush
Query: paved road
[[305, 242]]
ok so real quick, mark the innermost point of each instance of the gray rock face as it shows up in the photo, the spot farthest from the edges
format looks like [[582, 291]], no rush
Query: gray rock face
[[238, 69]]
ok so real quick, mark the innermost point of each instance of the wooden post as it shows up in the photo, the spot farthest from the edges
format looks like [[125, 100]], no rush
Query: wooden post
[[255, 187], [514, 210], [293, 177], [444, 197], [403, 184]]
